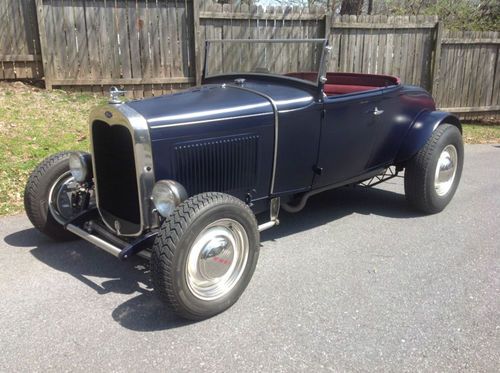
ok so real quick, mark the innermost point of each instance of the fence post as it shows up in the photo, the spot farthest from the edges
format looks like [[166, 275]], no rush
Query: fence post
[[436, 65], [43, 44], [196, 34]]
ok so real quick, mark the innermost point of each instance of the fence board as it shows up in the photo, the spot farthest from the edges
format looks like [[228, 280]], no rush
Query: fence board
[[133, 26]]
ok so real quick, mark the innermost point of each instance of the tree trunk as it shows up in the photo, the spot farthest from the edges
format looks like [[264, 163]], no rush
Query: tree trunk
[[351, 7]]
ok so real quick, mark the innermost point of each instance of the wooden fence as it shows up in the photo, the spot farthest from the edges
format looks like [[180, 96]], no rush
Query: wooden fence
[[468, 80], [401, 46], [20, 54], [145, 46], [153, 47]]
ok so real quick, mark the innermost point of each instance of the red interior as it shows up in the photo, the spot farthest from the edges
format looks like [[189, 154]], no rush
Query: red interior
[[343, 83]]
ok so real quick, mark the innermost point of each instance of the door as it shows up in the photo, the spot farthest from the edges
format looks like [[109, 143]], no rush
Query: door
[[348, 134]]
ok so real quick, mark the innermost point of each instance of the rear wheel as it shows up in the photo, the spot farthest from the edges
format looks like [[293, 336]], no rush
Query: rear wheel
[[205, 255], [433, 174]]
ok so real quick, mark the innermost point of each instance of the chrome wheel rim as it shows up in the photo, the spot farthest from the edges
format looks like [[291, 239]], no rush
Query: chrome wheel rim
[[446, 170], [60, 198], [217, 259]]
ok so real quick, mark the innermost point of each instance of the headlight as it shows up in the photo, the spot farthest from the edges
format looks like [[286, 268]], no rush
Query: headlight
[[167, 194], [80, 166]]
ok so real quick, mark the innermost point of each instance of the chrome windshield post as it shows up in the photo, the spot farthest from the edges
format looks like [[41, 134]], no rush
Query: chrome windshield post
[[324, 63]]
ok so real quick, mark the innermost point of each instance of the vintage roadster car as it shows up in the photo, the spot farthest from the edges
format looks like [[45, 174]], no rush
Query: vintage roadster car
[[181, 178]]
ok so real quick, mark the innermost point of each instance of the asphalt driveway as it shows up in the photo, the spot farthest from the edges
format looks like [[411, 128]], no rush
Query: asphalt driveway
[[356, 282]]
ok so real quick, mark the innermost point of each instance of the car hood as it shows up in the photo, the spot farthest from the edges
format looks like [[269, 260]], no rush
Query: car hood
[[218, 101]]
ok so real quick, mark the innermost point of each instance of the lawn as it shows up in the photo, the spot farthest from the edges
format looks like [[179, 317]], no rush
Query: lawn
[[481, 133], [35, 123]]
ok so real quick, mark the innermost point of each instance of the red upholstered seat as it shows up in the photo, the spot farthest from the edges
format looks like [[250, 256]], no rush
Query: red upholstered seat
[[344, 83], [341, 89]]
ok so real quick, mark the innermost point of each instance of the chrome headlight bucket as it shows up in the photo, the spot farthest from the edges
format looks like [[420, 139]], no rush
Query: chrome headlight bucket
[[80, 166], [166, 195]]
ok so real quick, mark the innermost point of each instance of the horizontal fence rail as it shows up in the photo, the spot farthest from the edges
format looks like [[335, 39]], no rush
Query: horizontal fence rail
[[152, 47]]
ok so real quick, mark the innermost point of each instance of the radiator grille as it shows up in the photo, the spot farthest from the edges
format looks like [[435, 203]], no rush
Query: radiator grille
[[223, 165], [115, 174]]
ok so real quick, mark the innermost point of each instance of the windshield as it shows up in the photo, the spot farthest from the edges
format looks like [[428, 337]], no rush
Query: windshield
[[297, 59]]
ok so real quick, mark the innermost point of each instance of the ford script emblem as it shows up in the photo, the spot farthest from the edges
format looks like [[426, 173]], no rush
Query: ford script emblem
[[108, 114]]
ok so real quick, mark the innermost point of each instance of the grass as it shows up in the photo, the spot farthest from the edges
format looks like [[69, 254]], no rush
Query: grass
[[35, 123], [481, 133]]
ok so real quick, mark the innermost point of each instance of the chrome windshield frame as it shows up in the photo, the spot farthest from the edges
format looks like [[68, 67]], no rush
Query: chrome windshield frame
[[321, 73]]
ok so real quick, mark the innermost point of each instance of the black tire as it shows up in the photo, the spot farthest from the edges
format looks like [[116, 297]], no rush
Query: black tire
[[36, 196], [420, 171], [176, 238]]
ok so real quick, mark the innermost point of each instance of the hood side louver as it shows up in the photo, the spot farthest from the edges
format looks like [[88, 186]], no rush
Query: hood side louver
[[222, 165]]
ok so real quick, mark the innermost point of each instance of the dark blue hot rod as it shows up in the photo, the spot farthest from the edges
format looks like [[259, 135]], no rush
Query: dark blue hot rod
[[180, 178]]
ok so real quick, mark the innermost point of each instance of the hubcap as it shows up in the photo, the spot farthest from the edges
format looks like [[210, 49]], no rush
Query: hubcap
[[60, 198], [217, 259], [446, 169]]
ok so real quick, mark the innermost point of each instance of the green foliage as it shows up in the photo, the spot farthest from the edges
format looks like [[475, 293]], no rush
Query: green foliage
[[456, 14], [473, 15]]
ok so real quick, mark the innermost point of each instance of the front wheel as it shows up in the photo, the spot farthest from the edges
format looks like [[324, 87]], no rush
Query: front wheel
[[204, 255], [433, 174], [48, 196]]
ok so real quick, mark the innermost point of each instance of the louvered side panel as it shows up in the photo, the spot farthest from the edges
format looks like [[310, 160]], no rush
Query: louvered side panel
[[225, 165]]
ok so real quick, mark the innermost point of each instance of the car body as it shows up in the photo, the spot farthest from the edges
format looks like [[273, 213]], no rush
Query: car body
[[269, 140]]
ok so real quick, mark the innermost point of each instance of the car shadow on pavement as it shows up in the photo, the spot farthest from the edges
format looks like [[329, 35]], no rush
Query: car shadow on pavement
[[144, 312], [88, 264], [335, 204]]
